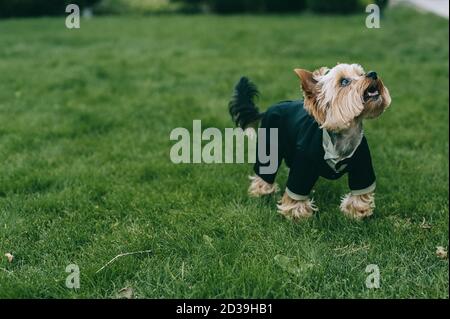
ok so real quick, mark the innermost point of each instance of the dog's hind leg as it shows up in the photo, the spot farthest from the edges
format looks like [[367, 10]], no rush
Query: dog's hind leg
[[258, 187], [358, 206], [296, 209]]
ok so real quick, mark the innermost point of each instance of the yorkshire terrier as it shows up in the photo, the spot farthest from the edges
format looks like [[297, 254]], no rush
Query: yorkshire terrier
[[321, 135]]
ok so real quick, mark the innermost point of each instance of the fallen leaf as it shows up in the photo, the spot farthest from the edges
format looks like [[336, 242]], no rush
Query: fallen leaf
[[126, 293], [441, 252], [425, 225], [10, 257], [400, 222]]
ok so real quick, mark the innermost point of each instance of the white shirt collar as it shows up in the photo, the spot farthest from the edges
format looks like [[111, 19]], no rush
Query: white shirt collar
[[332, 156]]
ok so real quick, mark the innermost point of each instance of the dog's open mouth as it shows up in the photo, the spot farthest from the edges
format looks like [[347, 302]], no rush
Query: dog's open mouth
[[372, 92]]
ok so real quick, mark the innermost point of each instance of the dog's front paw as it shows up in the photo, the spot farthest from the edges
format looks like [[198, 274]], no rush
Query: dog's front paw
[[358, 206], [258, 187], [296, 209]]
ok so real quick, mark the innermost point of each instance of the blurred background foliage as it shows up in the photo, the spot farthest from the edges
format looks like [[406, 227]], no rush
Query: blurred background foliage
[[23, 8], [29, 8]]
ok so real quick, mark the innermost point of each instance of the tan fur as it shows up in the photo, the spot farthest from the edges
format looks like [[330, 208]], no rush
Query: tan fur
[[258, 187], [358, 206], [296, 209], [335, 107]]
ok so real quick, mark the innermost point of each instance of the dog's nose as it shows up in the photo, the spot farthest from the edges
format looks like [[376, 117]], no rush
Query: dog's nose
[[372, 74]]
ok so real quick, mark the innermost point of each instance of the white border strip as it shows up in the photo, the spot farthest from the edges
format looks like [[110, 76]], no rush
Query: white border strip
[[366, 190], [296, 196]]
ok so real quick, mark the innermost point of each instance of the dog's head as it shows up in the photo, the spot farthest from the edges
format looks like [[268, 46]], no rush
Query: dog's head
[[337, 97]]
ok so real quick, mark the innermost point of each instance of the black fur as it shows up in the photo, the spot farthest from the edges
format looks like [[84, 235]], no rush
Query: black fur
[[242, 106]]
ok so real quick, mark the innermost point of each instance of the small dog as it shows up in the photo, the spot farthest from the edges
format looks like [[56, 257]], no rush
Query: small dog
[[321, 135]]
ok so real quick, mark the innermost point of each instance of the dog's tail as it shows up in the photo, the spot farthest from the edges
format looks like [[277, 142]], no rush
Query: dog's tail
[[242, 108]]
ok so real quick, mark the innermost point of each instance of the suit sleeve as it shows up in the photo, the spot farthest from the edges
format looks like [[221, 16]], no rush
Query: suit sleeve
[[361, 175], [302, 176]]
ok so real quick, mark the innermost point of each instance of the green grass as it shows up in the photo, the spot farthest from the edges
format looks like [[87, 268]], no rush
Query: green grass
[[85, 174]]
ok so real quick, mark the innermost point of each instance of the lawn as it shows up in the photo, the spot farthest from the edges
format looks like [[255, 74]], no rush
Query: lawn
[[85, 173]]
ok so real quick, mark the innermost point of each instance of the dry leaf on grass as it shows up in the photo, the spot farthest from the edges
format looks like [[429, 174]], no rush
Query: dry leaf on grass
[[441, 252], [125, 293], [10, 257], [400, 222], [425, 225]]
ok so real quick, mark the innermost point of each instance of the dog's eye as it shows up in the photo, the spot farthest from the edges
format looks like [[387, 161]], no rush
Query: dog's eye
[[345, 82]]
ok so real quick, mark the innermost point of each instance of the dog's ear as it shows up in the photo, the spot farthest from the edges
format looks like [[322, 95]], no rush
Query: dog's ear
[[307, 81], [310, 90]]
